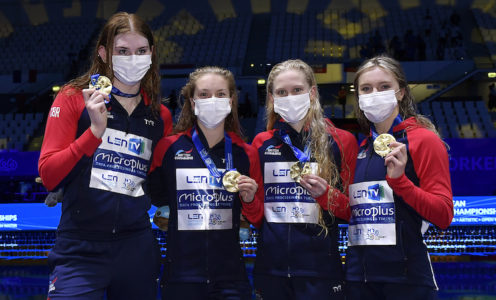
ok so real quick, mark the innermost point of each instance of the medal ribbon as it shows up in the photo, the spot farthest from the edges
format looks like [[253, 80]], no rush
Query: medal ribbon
[[302, 157], [209, 163], [117, 92], [396, 121]]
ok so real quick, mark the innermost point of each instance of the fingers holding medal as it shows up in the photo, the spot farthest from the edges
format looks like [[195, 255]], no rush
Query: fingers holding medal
[[235, 182], [396, 160]]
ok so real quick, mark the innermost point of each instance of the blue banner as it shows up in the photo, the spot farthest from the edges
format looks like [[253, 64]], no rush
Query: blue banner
[[19, 164], [472, 166], [35, 216], [476, 210]]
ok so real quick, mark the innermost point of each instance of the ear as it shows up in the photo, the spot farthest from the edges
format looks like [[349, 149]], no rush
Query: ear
[[313, 92], [192, 105], [102, 53], [271, 98], [401, 94]]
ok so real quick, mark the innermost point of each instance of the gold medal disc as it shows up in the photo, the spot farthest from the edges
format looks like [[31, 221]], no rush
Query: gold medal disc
[[295, 172], [381, 144], [307, 169], [230, 181], [103, 84]]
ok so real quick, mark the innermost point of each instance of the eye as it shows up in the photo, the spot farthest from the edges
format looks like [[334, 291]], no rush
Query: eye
[[365, 89], [142, 51], [221, 95], [385, 87], [281, 93], [122, 51], [203, 95]]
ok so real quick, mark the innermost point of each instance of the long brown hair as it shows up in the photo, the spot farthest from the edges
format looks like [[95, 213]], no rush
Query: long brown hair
[[187, 118], [315, 125], [406, 106], [118, 23]]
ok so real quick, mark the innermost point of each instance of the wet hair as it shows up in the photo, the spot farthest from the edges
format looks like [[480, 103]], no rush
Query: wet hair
[[187, 118], [120, 23], [407, 107], [315, 125]]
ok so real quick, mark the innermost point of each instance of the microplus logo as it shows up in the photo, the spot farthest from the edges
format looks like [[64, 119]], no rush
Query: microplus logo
[[374, 192]]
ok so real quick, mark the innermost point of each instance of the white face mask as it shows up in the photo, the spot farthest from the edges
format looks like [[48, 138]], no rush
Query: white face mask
[[292, 108], [378, 106], [212, 111], [130, 69]]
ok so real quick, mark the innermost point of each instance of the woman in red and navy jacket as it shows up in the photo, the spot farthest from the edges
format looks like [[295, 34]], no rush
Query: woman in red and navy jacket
[[204, 258], [400, 187], [298, 255], [98, 148]]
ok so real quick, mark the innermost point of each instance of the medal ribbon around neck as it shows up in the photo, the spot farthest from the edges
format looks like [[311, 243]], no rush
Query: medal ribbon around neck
[[381, 141], [117, 92], [230, 176], [302, 167], [301, 156]]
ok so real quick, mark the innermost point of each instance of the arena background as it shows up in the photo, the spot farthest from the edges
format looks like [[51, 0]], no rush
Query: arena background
[[447, 48]]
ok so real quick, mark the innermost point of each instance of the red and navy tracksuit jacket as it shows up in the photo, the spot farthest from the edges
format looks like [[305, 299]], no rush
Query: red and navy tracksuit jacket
[[290, 242], [103, 179], [422, 194], [203, 230]]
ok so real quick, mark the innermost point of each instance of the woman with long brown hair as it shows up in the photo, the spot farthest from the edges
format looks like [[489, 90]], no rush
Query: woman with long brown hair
[[208, 177], [100, 135], [307, 165]]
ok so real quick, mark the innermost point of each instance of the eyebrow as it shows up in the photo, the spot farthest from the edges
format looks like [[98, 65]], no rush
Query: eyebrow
[[124, 47], [208, 90]]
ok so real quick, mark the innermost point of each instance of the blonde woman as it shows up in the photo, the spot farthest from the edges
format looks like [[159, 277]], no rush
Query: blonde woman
[[307, 165]]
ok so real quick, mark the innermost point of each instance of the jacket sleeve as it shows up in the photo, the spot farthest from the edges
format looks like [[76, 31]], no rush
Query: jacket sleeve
[[159, 181], [61, 151], [433, 199], [253, 211], [334, 199], [167, 119]]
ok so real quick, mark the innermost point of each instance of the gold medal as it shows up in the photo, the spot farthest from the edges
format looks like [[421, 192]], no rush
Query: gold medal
[[103, 84], [230, 181], [381, 144], [296, 171]]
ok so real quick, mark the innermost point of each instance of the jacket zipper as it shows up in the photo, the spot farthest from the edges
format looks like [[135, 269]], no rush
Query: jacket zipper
[[289, 234], [366, 179], [114, 230]]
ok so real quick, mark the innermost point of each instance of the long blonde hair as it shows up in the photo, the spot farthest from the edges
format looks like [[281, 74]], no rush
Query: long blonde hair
[[316, 128], [406, 106]]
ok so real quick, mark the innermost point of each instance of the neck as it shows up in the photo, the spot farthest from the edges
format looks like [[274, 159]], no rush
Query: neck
[[297, 126], [384, 126], [213, 135], [128, 89]]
